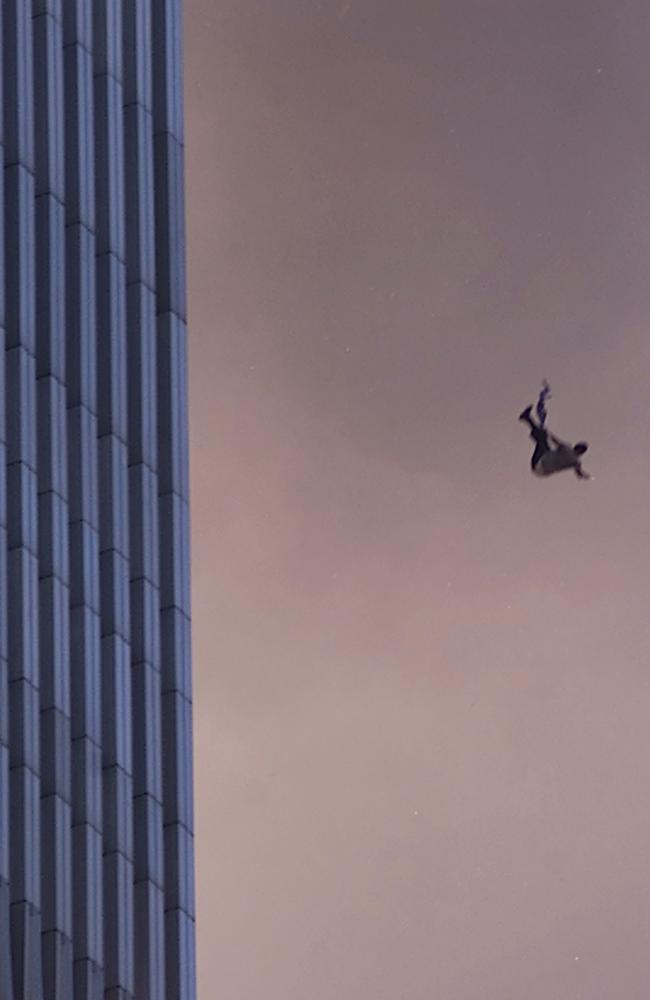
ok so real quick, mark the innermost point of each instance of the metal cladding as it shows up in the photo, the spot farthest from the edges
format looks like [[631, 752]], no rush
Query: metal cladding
[[96, 845]]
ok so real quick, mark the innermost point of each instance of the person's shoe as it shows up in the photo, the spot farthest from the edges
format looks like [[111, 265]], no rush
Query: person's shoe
[[525, 414]]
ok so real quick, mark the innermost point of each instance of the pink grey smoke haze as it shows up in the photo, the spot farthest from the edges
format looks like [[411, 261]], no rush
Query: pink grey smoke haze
[[422, 677]]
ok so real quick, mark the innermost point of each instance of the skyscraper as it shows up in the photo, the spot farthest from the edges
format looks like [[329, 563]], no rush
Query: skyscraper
[[96, 856]]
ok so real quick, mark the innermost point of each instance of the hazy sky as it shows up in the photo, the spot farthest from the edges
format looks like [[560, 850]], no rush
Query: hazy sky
[[422, 677]]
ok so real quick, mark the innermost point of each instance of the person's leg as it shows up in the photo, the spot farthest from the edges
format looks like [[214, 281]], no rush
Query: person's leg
[[538, 434], [540, 409], [525, 415], [541, 445]]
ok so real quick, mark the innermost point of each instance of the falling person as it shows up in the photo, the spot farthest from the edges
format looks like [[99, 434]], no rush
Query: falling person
[[552, 455]]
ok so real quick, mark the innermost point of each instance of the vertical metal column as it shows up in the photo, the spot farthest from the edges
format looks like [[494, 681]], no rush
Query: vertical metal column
[[5, 925], [22, 583], [173, 500], [114, 503], [143, 480], [87, 818], [53, 515]]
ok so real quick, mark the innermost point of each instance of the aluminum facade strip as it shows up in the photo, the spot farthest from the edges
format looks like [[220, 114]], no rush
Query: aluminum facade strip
[[143, 472], [173, 500], [81, 370], [22, 504], [6, 973], [53, 515], [114, 503]]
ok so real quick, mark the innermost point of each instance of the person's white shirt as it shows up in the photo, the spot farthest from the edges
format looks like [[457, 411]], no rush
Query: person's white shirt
[[557, 459]]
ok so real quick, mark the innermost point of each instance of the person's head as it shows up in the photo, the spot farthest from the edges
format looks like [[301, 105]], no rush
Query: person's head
[[580, 448]]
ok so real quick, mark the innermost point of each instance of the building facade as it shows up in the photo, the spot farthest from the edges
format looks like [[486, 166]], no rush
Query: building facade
[[96, 851]]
